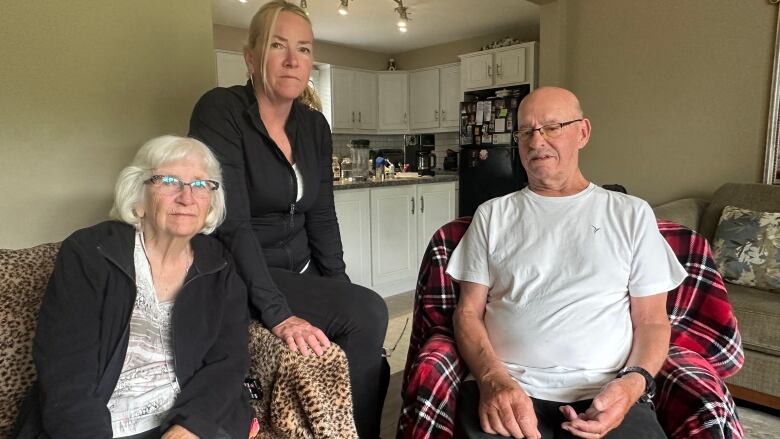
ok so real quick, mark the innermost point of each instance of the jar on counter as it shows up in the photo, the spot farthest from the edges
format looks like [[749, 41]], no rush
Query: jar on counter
[[336, 168], [346, 169]]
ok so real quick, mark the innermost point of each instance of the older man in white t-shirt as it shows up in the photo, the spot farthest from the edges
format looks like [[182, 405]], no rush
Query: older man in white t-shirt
[[562, 313]]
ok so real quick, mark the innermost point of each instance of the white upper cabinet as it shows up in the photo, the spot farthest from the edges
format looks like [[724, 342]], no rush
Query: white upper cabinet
[[393, 101], [449, 96], [353, 96], [510, 65], [424, 99], [434, 98], [477, 71]]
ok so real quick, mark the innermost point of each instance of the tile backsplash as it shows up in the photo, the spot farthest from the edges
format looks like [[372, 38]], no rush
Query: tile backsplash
[[443, 141]]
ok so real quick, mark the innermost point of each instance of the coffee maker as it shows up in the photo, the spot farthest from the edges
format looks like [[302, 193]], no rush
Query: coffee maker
[[426, 162], [415, 143]]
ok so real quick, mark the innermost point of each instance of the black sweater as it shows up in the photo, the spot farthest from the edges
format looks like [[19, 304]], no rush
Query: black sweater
[[83, 331], [265, 226]]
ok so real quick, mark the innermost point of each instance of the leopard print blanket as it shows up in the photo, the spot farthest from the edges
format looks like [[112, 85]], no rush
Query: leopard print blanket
[[301, 397]]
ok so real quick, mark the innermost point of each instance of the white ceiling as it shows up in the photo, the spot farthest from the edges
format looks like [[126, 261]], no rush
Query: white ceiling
[[371, 24]]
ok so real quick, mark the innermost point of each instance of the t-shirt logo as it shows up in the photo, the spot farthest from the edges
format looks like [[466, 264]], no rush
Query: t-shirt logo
[[595, 229]]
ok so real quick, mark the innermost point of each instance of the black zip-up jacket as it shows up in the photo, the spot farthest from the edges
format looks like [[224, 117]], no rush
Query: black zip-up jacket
[[83, 331], [265, 226]]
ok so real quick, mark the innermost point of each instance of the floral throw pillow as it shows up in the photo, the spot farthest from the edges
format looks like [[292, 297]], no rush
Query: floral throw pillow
[[747, 248]]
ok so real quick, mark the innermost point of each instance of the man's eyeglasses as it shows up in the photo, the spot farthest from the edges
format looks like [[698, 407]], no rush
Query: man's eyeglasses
[[170, 185], [549, 131]]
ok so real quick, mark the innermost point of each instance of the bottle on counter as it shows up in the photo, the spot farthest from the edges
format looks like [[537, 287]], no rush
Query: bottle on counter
[[336, 168]]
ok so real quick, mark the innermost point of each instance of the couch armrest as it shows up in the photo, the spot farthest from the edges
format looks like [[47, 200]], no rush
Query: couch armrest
[[686, 211], [429, 391], [692, 400], [301, 397]]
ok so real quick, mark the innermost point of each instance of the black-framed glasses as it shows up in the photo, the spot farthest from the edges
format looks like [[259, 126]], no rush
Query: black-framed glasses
[[549, 131], [170, 185]]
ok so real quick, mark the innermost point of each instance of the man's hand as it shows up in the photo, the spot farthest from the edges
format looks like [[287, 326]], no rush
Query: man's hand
[[178, 432], [607, 410], [301, 336], [505, 409]]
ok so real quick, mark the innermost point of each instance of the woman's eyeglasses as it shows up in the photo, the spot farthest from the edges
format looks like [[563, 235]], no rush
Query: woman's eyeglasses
[[170, 185]]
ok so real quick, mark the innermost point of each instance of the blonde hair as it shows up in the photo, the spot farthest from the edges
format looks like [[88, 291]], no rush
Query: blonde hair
[[260, 29], [129, 189]]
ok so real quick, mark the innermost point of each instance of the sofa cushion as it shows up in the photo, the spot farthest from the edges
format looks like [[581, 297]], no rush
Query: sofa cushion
[[23, 277], [758, 314], [753, 196], [747, 248]]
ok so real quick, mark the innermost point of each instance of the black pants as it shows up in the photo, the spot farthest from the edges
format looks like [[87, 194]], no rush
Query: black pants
[[640, 422], [355, 318]]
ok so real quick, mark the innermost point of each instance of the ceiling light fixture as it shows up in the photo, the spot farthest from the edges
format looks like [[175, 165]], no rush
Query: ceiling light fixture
[[343, 8], [242, 1], [403, 16]]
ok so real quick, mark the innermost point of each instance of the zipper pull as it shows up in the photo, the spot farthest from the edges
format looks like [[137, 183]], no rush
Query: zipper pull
[[292, 212]]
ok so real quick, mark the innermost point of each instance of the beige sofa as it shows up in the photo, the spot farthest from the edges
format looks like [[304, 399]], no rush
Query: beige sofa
[[301, 397], [757, 311]]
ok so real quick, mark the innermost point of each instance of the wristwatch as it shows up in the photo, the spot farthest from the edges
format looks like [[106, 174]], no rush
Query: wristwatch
[[649, 381]]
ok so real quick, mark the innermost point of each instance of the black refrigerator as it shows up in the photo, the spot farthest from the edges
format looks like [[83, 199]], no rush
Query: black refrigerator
[[489, 161]]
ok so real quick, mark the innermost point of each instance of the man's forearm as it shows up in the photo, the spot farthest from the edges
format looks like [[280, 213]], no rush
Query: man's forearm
[[650, 346], [474, 345]]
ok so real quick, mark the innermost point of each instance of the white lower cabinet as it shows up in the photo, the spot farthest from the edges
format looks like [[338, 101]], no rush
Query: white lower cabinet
[[352, 210], [386, 258]]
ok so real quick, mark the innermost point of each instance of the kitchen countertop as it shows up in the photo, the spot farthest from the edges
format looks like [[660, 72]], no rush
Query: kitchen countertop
[[440, 177]]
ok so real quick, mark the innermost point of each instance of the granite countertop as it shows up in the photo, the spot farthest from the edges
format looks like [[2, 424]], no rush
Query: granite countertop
[[440, 177]]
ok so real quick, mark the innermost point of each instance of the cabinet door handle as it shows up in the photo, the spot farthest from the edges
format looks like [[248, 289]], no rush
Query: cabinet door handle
[[435, 114], [353, 117], [490, 74], [498, 70], [412, 205], [404, 117], [360, 116], [443, 115], [422, 204]]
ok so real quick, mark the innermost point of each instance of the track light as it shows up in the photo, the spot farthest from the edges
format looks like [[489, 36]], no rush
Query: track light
[[304, 5], [242, 1], [343, 8], [403, 16]]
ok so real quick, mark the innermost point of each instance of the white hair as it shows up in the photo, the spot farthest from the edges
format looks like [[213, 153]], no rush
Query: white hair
[[160, 151]]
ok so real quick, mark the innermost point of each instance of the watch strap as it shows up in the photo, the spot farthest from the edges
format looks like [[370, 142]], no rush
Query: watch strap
[[649, 393]]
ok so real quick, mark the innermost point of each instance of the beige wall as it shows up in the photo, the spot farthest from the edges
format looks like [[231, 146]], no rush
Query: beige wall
[[677, 91], [83, 85], [448, 52], [232, 38]]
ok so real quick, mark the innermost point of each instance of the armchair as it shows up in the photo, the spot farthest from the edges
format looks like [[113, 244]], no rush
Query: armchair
[[692, 399]]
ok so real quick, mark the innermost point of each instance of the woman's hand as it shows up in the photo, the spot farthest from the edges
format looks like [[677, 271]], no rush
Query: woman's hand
[[178, 432], [301, 336]]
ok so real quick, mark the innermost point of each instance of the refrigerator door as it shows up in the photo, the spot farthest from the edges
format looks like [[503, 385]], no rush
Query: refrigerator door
[[486, 173]]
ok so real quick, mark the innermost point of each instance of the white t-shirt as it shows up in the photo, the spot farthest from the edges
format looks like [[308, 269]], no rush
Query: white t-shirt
[[559, 272]]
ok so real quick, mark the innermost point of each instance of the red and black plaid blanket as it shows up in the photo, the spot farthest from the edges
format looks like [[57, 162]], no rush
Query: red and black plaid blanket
[[692, 399]]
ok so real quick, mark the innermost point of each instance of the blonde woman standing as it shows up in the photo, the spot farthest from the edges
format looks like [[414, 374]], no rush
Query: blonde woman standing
[[275, 149]]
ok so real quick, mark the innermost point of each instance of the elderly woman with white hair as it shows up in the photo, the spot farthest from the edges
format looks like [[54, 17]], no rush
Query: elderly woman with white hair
[[143, 329]]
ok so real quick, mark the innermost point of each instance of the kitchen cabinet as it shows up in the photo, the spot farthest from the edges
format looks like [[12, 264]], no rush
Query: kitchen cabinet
[[510, 65], [434, 97], [394, 232], [353, 96], [393, 101], [449, 96], [385, 231], [352, 211], [436, 207]]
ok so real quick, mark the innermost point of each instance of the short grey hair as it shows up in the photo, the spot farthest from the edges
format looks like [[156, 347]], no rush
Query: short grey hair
[[160, 151]]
